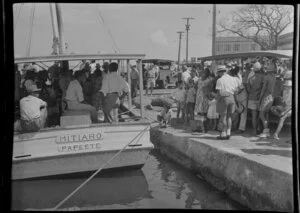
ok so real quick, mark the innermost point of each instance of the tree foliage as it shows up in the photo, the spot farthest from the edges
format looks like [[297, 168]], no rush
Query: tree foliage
[[261, 23]]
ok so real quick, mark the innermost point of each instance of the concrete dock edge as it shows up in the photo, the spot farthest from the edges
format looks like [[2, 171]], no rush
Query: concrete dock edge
[[250, 183]]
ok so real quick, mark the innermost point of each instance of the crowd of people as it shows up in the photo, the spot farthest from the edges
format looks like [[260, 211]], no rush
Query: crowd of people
[[222, 97], [41, 96]]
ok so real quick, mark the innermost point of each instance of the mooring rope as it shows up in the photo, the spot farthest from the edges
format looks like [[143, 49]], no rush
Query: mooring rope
[[95, 173]]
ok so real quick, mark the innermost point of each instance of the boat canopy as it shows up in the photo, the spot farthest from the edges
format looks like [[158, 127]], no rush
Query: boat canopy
[[157, 61], [269, 53], [77, 57]]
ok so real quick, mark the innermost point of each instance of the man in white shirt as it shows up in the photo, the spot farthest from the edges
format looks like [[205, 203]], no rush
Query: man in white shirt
[[113, 87], [33, 112], [75, 99], [226, 86]]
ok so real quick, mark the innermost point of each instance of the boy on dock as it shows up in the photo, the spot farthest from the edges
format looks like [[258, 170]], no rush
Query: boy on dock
[[190, 101], [179, 97]]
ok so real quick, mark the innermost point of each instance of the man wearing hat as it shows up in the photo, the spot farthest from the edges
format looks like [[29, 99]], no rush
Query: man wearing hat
[[226, 87], [266, 97], [254, 87], [33, 112], [284, 109]]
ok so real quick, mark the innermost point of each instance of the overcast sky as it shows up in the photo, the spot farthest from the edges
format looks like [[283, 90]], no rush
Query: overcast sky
[[137, 28]]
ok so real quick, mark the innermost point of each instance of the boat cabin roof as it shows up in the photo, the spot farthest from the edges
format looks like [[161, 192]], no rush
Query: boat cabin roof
[[269, 53], [157, 61], [78, 57]]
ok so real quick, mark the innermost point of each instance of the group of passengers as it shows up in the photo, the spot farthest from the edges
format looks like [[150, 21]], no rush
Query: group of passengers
[[222, 96], [43, 94]]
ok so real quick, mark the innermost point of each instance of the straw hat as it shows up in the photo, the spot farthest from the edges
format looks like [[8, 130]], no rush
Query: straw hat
[[33, 88], [256, 66], [221, 68]]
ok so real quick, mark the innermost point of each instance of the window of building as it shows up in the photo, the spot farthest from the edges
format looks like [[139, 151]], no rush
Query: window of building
[[227, 48], [236, 47], [253, 46]]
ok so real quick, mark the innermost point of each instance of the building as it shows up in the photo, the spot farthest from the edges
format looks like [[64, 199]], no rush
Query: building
[[235, 44], [285, 41]]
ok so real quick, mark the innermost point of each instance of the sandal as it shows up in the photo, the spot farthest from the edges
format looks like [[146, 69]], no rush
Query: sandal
[[221, 137]]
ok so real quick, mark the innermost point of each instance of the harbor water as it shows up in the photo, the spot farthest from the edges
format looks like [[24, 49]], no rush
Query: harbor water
[[161, 183]]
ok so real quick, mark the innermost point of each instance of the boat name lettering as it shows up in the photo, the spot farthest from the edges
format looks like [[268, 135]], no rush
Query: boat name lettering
[[79, 138], [79, 147]]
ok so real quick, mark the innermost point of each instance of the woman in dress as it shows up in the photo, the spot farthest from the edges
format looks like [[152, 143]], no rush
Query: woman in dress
[[204, 88]]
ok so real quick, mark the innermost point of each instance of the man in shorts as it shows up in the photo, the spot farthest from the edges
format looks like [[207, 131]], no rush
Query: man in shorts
[[226, 87], [266, 98], [254, 87], [152, 75]]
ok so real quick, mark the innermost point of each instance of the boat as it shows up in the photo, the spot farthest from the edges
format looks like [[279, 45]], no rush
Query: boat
[[78, 145]]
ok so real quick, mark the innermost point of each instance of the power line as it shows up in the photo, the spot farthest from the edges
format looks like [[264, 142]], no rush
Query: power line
[[18, 15], [187, 27], [180, 35]]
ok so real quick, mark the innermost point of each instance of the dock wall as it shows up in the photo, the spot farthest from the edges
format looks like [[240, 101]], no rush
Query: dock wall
[[247, 181]]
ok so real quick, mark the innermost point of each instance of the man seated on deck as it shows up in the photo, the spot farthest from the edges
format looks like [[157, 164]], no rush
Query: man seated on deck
[[33, 112], [112, 88], [74, 96]]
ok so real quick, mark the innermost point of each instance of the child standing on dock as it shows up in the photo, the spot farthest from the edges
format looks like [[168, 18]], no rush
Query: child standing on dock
[[212, 114], [179, 97], [165, 115], [190, 101]]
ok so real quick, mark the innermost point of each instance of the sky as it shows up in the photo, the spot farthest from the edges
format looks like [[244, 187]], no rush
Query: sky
[[149, 29]]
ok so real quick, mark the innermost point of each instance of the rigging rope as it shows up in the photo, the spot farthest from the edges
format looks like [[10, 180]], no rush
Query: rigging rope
[[109, 33], [18, 15], [30, 30], [95, 173]]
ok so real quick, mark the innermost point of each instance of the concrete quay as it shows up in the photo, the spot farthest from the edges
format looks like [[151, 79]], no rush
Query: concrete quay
[[255, 172]]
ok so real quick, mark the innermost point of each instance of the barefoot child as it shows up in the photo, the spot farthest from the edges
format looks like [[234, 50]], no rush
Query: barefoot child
[[212, 114], [179, 97], [190, 101]]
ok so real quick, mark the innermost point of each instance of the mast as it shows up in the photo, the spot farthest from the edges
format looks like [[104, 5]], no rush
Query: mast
[[54, 28], [60, 29]]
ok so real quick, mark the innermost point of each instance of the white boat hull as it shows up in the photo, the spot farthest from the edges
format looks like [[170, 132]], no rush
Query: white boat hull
[[84, 149]]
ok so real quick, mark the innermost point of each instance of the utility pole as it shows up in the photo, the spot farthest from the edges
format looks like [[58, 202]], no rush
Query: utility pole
[[187, 27], [180, 34], [214, 30]]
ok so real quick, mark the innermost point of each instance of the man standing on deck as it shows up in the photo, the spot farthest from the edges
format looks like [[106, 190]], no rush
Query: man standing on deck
[[134, 75], [113, 88], [74, 96]]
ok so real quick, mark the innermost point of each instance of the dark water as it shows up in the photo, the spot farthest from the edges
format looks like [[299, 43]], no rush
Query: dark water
[[159, 184]]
